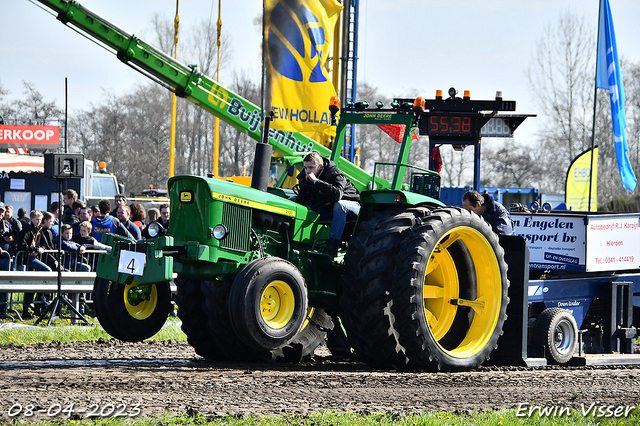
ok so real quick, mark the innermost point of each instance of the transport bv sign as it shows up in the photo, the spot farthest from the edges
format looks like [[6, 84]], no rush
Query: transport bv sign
[[29, 136]]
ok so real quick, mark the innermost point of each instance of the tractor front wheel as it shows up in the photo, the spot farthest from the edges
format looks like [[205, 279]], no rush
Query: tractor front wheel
[[100, 290], [268, 303]]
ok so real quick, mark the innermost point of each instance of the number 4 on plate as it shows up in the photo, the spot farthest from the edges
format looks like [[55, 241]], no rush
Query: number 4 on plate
[[131, 262]]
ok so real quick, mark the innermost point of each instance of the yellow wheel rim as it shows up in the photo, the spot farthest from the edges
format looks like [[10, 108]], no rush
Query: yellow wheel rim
[[441, 291], [277, 304], [144, 309]]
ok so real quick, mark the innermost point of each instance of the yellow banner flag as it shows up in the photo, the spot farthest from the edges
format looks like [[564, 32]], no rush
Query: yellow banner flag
[[577, 186], [299, 36]]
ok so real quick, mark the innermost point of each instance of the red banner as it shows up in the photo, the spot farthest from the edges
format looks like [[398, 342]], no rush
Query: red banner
[[396, 131], [30, 136]]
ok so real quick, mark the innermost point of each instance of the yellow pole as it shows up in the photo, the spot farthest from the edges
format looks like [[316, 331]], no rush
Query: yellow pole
[[336, 52], [172, 148], [216, 121]]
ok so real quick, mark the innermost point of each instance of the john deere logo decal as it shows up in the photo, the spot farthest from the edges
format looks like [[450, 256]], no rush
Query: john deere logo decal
[[186, 197]]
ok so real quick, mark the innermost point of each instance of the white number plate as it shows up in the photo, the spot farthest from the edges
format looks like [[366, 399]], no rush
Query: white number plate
[[496, 127], [131, 262]]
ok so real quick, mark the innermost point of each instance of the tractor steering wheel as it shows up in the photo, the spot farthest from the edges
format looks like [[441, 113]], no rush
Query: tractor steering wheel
[[296, 188]]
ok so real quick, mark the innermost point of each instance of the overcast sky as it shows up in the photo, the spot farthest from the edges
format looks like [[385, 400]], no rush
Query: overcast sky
[[477, 45]]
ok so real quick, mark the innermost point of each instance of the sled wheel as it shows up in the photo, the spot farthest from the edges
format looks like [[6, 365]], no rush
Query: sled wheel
[[135, 312], [308, 339], [268, 303], [194, 321], [366, 283], [450, 291], [556, 329]]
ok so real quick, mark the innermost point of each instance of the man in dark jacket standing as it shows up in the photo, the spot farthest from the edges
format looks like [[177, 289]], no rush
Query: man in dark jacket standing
[[326, 190], [491, 210]]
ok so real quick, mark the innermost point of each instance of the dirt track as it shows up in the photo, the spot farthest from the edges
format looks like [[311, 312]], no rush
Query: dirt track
[[169, 377]]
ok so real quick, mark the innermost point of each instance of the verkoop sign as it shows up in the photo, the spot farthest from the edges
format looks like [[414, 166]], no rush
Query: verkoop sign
[[29, 136]]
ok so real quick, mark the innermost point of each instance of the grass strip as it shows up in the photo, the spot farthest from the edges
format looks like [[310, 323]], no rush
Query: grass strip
[[62, 331], [329, 418]]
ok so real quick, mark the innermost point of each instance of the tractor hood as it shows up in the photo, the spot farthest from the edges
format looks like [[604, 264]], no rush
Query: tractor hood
[[233, 193]]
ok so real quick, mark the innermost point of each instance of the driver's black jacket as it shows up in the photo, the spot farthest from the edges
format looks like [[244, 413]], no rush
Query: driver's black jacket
[[331, 187]]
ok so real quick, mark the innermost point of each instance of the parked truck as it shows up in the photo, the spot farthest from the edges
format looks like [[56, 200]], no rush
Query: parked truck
[[420, 285], [23, 184]]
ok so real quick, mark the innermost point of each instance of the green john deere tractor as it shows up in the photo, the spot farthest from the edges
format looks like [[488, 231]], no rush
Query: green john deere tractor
[[419, 285]]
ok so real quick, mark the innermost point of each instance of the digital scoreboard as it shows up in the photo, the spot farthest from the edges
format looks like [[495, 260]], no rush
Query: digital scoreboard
[[469, 126], [451, 125], [455, 126]]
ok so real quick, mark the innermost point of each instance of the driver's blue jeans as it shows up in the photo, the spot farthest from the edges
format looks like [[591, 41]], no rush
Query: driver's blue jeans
[[340, 211]]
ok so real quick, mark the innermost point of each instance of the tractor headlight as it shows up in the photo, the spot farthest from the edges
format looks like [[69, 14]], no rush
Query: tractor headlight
[[154, 229], [219, 232]]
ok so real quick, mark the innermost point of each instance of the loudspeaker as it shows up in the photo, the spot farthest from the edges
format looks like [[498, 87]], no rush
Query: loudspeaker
[[64, 166]]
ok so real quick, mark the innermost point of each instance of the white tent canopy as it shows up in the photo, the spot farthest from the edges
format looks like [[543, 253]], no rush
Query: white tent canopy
[[21, 163]]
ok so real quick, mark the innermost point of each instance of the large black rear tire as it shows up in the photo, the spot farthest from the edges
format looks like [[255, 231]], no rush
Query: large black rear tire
[[194, 320], [366, 283], [450, 291], [312, 335]]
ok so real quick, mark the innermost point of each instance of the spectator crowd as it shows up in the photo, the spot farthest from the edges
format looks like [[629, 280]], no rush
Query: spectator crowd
[[31, 243]]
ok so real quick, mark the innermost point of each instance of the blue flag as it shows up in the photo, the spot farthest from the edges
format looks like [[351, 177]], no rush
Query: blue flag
[[608, 76]]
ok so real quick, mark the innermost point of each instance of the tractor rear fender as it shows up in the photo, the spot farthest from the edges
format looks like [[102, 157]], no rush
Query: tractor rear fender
[[378, 200]]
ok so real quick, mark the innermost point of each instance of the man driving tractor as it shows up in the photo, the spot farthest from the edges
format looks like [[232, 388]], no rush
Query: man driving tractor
[[326, 190]]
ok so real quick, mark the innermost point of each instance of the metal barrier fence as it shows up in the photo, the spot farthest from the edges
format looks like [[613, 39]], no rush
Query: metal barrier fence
[[71, 261], [24, 274]]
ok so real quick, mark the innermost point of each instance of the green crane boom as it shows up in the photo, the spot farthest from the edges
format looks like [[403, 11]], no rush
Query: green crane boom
[[186, 81]]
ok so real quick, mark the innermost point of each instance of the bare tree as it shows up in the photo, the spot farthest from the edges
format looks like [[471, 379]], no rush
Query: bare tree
[[561, 78], [236, 148], [194, 127], [457, 166], [147, 136], [510, 165], [609, 184], [3, 93], [100, 133], [31, 105], [163, 30]]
